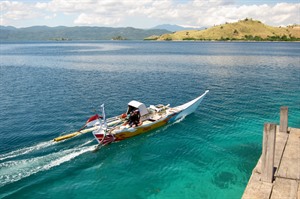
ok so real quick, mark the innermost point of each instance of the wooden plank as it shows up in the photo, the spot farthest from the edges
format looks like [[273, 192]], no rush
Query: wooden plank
[[281, 140], [268, 153], [257, 168], [298, 190], [284, 188], [290, 162], [283, 119], [257, 189]]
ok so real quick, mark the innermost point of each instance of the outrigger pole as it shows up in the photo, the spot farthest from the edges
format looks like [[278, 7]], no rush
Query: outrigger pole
[[79, 132], [92, 121]]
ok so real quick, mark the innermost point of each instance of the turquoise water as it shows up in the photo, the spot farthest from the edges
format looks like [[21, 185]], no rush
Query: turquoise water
[[47, 89]]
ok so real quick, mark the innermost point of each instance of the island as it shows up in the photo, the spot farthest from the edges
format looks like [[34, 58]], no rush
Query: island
[[243, 30]]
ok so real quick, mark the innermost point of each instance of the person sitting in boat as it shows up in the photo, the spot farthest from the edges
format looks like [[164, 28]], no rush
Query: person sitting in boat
[[134, 119]]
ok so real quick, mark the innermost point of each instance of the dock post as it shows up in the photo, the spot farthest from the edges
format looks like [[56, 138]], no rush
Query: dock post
[[283, 119], [268, 152]]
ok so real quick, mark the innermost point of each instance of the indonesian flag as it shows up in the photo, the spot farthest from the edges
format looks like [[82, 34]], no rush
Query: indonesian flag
[[92, 121]]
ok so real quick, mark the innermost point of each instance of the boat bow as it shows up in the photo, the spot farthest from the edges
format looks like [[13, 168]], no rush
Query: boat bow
[[188, 108]]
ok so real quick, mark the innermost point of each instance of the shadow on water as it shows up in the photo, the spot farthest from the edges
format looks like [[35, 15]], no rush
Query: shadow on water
[[245, 157], [224, 179]]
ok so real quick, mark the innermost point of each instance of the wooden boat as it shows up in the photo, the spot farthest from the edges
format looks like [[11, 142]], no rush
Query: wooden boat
[[151, 118], [115, 129]]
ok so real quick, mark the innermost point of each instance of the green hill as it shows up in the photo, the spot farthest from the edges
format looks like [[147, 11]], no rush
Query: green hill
[[246, 29], [38, 33]]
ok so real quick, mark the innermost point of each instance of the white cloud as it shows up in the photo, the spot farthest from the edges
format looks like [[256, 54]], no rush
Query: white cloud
[[41, 6], [116, 12], [16, 11], [49, 17], [92, 19], [200, 14]]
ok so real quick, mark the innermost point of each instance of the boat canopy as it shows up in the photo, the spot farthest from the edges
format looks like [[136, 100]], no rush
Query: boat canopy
[[137, 105]]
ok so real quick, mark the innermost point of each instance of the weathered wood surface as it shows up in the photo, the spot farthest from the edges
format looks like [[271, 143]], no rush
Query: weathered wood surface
[[256, 184], [290, 162], [285, 189], [287, 176], [298, 190], [268, 152], [283, 127], [281, 139]]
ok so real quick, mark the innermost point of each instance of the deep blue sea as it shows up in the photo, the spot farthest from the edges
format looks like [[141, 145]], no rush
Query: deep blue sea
[[51, 88]]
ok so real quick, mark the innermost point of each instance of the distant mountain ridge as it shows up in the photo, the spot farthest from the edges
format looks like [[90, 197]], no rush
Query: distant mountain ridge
[[175, 28], [247, 29], [7, 28], [40, 33]]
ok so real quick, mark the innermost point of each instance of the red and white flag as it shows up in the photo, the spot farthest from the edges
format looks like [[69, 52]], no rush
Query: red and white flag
[[92, 121]]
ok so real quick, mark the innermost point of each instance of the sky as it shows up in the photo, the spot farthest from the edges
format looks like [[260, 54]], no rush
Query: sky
[[146, 13]]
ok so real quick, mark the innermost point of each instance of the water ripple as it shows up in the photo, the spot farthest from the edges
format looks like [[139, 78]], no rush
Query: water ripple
[[48, 89]]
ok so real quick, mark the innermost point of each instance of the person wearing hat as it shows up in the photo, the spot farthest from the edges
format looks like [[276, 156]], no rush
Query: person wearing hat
[[134, 118]]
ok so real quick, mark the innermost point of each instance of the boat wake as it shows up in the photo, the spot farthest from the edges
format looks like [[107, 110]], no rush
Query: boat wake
[[15, 170], [26, 150], [179, 120], [27, 161]]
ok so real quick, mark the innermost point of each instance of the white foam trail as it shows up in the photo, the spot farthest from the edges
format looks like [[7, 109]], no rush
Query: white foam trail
[[179, 120], [26, 150], [67, 157], [12, 171], [86, 143], [167, 126]]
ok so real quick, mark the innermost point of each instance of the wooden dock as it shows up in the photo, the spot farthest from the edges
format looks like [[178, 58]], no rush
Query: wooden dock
[[277, 173]]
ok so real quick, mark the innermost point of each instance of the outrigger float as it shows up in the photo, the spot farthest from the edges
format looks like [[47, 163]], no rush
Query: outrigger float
[[115, 129]]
